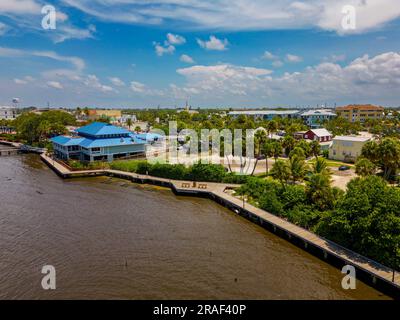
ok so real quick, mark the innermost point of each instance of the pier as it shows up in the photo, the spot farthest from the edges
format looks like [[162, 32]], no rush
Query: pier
[[370, 272]]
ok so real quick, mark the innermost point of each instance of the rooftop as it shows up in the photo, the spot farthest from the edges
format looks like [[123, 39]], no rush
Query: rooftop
[[97, 143], [263, 112], [352, 138], [321, 112], [360, 107], [101, 129], [321, 132]]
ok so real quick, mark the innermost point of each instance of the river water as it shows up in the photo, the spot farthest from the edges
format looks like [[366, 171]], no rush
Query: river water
[[112, 239]]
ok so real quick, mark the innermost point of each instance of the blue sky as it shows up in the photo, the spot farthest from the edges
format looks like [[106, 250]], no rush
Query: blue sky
[[247, 53]]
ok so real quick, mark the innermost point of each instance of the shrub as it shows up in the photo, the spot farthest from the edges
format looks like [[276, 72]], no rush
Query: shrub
[[270, 202], [207, 172]]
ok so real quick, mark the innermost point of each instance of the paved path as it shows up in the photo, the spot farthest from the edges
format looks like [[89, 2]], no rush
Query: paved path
[[219, 190]]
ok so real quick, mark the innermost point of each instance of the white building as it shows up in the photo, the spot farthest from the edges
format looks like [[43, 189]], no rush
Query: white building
[[8, 113], [314, 118], [266, 114]]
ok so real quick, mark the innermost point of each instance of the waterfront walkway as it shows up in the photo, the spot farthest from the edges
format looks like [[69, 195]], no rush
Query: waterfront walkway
[[368, 270]]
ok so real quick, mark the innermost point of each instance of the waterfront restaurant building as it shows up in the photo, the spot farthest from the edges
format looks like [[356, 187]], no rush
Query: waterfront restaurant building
[[99, 142]]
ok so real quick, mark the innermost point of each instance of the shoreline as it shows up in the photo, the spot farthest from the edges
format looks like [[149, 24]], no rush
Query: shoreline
[[368, 271]]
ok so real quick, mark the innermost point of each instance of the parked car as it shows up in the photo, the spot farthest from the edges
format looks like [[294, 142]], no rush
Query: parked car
[[344, 168]]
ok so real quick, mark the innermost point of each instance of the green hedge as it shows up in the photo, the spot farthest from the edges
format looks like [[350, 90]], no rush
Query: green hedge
[[195, 172]]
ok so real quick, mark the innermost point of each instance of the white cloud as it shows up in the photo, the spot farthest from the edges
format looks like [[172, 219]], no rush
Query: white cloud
[[161, 50], [78, 63], [70, 32], [222, 79], [55, 85], [269, 56], [187, 59], [93, 82], [364, 79], [293, 58], [138, 87], [142, 89], [117, 82], [214, 44], [242, 15], [175, 39], [25, 80], [20, 7]]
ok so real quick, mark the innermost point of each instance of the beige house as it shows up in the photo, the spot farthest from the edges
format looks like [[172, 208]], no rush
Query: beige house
[[96, 114], [347, 148]]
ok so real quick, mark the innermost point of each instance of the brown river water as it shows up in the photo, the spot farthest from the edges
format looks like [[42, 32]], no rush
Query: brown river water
[[112, 239]]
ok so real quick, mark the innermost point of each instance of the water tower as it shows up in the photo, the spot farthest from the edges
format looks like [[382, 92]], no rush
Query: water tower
[[15, 102]]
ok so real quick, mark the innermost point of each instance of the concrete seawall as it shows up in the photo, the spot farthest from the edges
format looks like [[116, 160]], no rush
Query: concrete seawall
[[370, 272]]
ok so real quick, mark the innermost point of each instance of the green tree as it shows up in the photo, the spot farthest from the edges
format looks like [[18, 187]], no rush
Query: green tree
[[321, 166], [364, 167], [315, 148], [281, 171], [288, 143], [367, 220], [129, 123], [298, 168], [319, 191]]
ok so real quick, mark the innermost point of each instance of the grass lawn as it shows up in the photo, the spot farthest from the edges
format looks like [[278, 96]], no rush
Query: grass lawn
[[333, 163]]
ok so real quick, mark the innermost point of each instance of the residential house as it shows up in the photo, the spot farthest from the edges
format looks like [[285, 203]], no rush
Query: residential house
[[347, 148]]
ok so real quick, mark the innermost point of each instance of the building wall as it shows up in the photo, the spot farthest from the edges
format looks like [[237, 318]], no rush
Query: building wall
[[360, 114], [96, 114], [346, 150], [7, 113]]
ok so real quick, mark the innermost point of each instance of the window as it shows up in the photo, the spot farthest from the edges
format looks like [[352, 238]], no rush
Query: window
[[95, 150]]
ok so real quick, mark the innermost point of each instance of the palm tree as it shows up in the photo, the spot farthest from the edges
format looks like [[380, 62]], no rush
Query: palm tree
[[315, 148], [268, 152], [272, 126], [281, 171], [288, 143], [321, 166], [259, 138], [276, 149], [129, 123], [298, 168], [319, 191], [364, 167]]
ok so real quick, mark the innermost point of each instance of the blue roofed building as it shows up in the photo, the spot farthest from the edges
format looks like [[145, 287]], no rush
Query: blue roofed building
[[99, 141]]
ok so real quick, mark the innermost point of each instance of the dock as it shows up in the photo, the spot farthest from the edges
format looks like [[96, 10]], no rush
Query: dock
[[370, 272]]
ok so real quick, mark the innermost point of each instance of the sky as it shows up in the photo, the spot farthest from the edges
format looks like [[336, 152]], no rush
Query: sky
[[212, 53]]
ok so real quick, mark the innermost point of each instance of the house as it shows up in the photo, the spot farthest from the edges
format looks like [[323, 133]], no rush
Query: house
[[360, 113], [123, 120], [96, 114], [8, 113], [98, 141], [320, 135], [314, 118], [347, 148]]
